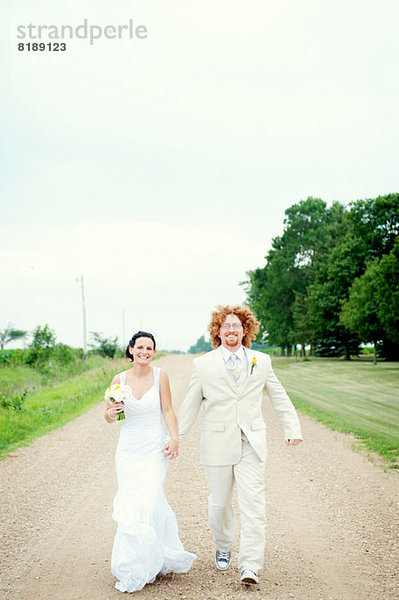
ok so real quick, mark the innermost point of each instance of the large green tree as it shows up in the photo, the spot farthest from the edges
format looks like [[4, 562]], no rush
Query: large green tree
[[376, 222], [278, 292], [372, 309], [333, 276], [369, 231], [360, 311], [387, 293], [299, 294]]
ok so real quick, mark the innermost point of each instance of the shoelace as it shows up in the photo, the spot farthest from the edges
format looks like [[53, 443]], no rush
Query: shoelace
[[224, 556]]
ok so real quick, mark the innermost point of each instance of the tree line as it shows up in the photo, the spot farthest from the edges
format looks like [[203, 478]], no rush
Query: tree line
[[44, 348], [331, 280]]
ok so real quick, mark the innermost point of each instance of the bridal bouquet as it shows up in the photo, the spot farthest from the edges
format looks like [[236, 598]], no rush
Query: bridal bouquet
[[118, 393]]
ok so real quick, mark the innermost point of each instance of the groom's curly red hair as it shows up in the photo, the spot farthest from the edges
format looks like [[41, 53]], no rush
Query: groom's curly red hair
[[246, 316]]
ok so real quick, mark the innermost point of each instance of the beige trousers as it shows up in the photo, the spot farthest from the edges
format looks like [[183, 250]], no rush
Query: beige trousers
[[249, 476]]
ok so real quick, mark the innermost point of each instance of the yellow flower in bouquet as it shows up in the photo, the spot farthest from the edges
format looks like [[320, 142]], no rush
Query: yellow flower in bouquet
[[118, 393]]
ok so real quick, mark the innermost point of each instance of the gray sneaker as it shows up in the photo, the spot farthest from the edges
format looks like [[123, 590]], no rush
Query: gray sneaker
[[249, 577], [222, 560]]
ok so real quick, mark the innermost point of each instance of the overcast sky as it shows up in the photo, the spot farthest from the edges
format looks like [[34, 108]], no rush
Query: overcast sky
[[160, 168]]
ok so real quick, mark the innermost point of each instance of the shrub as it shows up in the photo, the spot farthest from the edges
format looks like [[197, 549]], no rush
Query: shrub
[[15, 401], [107, 347], [6, 357], [13, 358]]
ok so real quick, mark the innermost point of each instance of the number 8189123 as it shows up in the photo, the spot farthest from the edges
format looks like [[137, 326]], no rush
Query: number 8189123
[[41, 46]]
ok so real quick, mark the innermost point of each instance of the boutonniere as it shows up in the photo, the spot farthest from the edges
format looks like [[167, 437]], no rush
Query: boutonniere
[[253, 364]]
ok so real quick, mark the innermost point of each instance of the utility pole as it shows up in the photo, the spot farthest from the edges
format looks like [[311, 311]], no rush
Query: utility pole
[[84, 319], [123, 328]]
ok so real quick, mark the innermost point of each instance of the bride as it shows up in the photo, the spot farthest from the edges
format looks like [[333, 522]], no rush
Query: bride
[[147, 541]]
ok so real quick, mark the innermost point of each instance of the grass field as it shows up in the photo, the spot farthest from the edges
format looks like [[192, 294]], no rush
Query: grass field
[[350, 396], [16, 379], [48, 408]]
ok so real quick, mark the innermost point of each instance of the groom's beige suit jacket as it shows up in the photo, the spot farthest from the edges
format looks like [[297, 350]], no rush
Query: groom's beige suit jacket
[[230, 409]]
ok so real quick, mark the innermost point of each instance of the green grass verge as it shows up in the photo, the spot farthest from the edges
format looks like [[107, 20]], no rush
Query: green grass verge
[[16, 379], [52, 407], [354, 397]]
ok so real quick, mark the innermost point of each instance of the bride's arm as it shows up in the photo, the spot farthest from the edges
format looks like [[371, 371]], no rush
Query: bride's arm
[[111, 410], [171, 448]]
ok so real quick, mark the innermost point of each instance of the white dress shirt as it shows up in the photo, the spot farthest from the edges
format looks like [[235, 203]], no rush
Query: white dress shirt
[[242, 364], [240, 354]]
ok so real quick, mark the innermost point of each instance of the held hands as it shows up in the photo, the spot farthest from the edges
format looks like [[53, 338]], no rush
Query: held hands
[[293, 442], [171, 449]]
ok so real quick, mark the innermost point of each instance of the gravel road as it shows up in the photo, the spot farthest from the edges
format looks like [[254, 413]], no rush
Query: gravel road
[[332, 517]]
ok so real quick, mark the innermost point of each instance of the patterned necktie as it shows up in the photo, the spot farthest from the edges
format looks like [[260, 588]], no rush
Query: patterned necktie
[[233, 366]]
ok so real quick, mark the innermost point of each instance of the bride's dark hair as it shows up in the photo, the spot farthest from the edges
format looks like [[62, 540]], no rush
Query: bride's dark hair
[[137, 335]]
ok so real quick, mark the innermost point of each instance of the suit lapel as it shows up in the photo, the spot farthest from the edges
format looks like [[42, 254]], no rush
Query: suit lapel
[[242, 382]]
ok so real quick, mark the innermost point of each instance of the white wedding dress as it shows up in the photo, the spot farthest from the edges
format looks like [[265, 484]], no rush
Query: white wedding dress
[[147, 540]]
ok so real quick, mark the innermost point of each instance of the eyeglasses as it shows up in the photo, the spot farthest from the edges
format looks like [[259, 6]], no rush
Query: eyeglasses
[[235, 326]]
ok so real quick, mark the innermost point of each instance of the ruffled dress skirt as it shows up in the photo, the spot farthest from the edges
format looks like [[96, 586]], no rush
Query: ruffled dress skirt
[[147, 541]]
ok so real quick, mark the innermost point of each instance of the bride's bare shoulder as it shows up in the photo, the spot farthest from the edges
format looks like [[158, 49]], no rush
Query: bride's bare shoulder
[[116, 379]]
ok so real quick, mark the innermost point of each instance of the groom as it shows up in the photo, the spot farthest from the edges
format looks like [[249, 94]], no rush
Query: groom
[[228, 382]]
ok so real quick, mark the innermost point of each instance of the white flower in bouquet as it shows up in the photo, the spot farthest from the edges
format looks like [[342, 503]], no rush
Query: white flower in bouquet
[[118, 393]]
